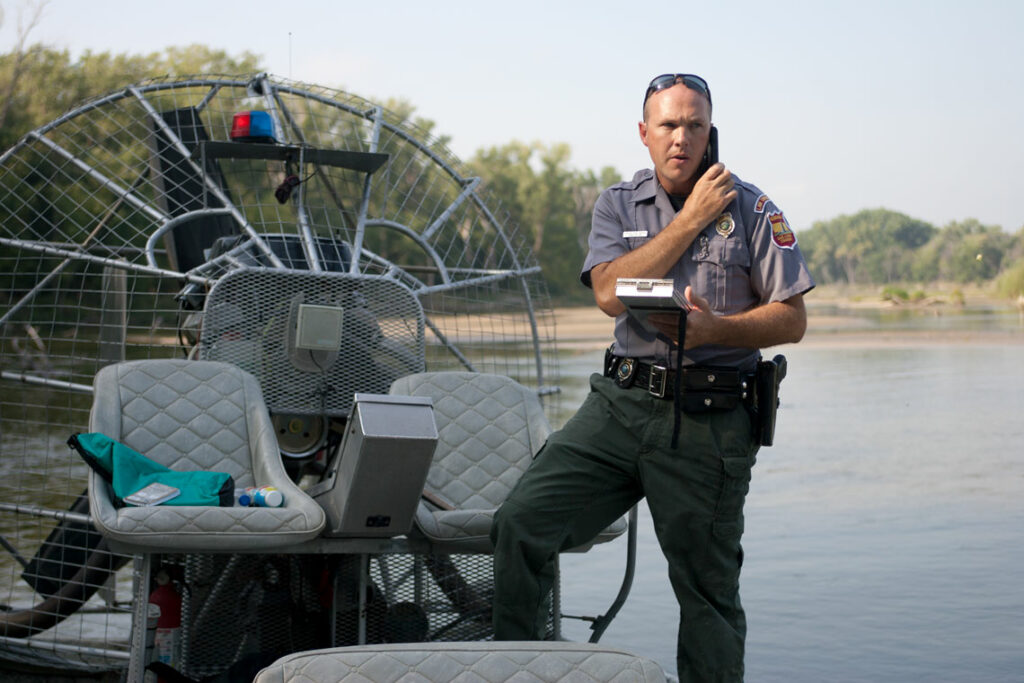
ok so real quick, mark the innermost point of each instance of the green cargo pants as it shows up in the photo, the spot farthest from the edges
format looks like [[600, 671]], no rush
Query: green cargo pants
[[613, 452]]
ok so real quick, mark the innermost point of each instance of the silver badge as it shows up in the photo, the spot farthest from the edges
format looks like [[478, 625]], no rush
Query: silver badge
[[625, 370], [725, 224]]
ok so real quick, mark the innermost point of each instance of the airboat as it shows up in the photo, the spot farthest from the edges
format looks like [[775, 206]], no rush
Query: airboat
[[312, 243]]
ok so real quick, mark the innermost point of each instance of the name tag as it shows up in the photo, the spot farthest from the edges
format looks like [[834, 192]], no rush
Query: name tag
[[634, 233]]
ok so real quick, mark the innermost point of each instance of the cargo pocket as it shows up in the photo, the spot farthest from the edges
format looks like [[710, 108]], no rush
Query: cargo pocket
[[725, 551], [728, 521]]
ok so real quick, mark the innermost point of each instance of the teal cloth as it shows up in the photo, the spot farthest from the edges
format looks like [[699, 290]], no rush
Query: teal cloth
[[127, 471]]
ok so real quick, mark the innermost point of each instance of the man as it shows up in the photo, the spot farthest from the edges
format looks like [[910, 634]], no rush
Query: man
[[744, 281]]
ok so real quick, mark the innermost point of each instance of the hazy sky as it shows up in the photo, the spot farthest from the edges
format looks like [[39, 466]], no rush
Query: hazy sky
[[829, 107]]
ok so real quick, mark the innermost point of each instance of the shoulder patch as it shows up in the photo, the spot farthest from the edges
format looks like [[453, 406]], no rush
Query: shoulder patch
[[782, 236], [760, 203]]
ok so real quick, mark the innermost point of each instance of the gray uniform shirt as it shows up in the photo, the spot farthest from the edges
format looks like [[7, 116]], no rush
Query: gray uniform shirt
[[746, 257]]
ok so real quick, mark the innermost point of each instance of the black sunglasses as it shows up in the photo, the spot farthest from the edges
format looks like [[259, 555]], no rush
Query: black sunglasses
[[691, 81]]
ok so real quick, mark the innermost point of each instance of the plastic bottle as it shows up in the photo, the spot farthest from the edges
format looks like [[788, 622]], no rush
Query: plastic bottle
[[260, 496], [268, 497], [167, 641], [243, 497]]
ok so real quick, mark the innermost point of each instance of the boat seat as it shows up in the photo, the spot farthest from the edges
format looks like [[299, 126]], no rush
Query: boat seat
[[489, 429], [457, 661], [195, 415]]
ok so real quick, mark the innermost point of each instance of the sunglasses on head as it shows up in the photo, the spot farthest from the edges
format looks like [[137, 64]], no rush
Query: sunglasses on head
[[691, 81]]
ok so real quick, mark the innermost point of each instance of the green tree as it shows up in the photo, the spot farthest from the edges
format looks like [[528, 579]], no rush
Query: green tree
[[967, 251], [871, 246], [40, 83], [551, 203]]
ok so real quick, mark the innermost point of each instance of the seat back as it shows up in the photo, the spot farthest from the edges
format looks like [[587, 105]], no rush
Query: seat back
[[489, 661], [186, 415], [489, 428]]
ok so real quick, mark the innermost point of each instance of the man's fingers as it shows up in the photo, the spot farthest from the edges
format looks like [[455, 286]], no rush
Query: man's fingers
[[696, 300]]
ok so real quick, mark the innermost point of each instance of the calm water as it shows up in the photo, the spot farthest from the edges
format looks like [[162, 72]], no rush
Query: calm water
[[884, 529]]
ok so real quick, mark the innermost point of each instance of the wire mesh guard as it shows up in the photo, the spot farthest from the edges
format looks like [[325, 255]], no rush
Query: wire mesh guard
[[247, 610], [134, 227], [251, 321]]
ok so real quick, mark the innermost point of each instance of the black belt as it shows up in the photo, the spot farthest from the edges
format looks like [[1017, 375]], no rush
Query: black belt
[[704, 387]]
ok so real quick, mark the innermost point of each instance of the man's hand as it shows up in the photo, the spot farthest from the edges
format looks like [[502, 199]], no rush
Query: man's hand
[[711, 194], [700, 322], [780, 322]]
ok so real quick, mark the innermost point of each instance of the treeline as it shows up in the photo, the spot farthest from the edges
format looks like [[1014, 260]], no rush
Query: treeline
[[882, 247], [550, 202], [38, 84], [538, 190]]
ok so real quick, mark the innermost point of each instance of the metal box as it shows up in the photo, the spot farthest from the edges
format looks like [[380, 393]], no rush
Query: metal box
[[374, 484]]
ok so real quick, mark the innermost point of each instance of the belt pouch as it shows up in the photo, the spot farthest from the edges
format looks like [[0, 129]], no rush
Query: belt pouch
[[703, 401]]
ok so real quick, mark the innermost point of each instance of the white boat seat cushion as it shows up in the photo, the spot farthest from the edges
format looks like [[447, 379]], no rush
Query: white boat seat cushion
[[552, 662], [489, 429], [196, 415]]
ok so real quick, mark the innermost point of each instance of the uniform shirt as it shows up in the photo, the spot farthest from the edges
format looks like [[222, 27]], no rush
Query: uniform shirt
[[746, 257]]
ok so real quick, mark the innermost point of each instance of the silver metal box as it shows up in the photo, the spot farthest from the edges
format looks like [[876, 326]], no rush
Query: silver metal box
[[374, 484]]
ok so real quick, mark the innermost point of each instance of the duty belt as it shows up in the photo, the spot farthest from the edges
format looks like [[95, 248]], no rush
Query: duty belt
[[704, 387]]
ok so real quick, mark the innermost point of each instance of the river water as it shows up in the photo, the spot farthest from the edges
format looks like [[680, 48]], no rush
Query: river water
[[884, 529]]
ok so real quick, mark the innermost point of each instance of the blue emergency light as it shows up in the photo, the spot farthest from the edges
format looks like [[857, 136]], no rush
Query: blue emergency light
[[252, 126]]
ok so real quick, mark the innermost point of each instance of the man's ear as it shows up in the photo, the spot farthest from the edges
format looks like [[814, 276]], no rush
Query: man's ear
[[643, 132]]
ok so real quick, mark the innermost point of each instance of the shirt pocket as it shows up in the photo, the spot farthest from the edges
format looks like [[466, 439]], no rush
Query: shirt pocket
[[722, 271]]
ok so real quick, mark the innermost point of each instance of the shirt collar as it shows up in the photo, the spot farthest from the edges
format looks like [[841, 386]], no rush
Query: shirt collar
[[646, 188], [645, 185]]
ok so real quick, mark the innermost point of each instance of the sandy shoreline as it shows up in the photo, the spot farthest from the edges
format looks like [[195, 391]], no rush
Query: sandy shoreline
[[586, 327]]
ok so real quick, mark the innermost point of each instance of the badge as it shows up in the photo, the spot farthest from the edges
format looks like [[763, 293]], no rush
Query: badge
[[634, 233], [725, 224], [761, 202], [624, 374], [781, 234]]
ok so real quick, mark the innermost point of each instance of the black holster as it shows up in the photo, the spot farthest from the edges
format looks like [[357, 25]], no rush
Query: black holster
[[769, 375]]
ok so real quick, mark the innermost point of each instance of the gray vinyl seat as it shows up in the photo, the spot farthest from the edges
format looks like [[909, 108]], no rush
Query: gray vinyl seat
[[551, 662], [195, 415], [489, 429]]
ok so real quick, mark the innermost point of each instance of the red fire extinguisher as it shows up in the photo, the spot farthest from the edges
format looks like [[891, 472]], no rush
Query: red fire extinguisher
[[167, 643]]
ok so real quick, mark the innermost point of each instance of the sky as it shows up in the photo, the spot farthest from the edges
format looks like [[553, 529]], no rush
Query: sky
[[828, 107]]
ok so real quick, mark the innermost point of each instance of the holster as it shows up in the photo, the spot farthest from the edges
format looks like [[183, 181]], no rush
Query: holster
[[770, 374]]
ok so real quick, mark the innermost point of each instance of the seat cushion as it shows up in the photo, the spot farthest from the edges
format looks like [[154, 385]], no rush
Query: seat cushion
[[489, 428], [456, 531], [486, 661], [196, 415]]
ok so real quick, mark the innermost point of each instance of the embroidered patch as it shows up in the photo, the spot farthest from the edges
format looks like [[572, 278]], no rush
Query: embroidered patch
[[634, 233], [781, 234], [761, 202], [725, 224]]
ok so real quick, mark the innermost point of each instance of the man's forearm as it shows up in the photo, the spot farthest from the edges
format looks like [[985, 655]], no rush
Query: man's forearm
[[780, 322], [653, 260]]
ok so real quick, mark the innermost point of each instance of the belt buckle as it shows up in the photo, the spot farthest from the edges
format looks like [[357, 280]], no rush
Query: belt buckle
[[656, 381]]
